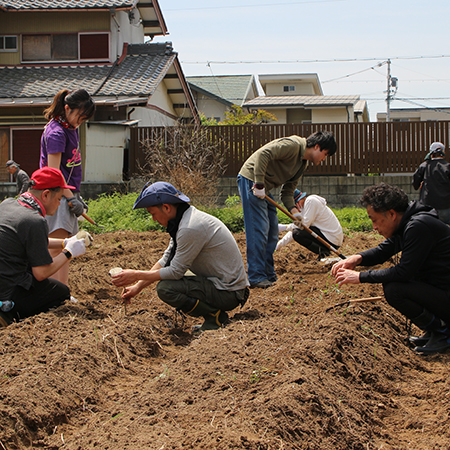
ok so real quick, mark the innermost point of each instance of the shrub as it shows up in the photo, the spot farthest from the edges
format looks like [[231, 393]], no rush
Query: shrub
[[115, 212]]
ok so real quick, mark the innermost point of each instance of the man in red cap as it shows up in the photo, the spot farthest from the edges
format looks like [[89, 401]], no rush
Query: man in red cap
[[25, 262]]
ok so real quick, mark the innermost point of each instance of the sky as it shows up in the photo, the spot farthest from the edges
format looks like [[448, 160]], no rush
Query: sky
[[346, 42]]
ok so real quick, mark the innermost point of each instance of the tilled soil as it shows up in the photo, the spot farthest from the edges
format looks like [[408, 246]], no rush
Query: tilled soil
[[283, 374]]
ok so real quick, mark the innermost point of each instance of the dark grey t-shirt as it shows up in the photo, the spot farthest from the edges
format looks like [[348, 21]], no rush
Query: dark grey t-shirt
[[23, 244]]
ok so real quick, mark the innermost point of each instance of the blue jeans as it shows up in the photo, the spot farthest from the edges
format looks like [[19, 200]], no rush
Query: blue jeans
[[261, 232]]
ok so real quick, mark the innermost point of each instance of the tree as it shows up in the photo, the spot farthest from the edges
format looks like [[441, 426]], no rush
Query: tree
[[237, 116]]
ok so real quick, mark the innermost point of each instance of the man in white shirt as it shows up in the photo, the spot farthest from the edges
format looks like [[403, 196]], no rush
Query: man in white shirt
[[318, 217]]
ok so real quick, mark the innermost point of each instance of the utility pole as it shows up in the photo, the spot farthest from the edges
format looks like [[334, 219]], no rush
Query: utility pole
[[392, 86]]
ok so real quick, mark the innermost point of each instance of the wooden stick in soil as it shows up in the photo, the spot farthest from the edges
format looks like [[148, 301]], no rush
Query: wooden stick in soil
[[356, 300]]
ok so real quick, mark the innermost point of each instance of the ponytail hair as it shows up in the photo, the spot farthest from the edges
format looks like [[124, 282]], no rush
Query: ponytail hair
[[79, 99]]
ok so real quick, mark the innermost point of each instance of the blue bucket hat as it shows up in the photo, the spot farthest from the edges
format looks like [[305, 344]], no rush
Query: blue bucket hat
[[159, 193], [298, 195]]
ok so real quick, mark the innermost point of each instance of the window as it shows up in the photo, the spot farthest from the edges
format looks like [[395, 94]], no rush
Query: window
[[65, 47], [8, 43], [288, 88]]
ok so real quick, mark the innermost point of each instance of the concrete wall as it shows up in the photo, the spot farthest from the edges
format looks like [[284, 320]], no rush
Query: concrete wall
[[88, 190], [339, 191]]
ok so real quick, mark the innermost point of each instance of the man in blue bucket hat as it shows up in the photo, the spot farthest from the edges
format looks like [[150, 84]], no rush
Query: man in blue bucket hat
[[199, 243]]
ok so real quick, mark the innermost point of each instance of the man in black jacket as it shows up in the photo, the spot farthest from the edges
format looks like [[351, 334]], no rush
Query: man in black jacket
[[419, 285], [22, 178], [433, 179]]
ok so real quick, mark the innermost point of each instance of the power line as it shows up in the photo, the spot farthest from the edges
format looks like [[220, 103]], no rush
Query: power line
[[310, 61], [254, 6]]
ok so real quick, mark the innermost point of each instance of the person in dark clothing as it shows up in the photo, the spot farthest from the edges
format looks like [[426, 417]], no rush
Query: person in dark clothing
[[419, 285], [433, 179], [22, 178], [26, 266]]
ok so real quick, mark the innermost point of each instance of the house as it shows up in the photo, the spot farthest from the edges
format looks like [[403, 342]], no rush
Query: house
[[298, 98], [98, 45], [214, 95], [415, 114]]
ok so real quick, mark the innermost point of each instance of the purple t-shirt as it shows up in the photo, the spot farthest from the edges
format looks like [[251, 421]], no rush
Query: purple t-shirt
[[57, 139]]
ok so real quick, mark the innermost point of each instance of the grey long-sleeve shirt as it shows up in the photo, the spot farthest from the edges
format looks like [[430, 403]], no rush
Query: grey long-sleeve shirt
[[207, 248]]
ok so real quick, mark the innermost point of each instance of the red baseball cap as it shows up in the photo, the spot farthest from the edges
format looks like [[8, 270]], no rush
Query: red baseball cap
[[48, 178]]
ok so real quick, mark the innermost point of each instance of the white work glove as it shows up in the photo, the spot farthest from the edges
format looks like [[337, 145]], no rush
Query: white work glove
[[76, 247], [260, 193], [298, 220], [287, 239], [81, 235]]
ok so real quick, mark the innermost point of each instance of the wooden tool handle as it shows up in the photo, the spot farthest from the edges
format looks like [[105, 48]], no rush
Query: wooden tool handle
[[311, 232]]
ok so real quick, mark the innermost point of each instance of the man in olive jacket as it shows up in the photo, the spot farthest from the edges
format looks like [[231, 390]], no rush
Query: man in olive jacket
[[281, 162]]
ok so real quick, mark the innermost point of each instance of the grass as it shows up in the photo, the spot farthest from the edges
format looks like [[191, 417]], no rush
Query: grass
[[115, 213]]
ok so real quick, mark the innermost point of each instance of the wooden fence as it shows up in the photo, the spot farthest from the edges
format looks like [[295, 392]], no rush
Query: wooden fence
[[363, 148]]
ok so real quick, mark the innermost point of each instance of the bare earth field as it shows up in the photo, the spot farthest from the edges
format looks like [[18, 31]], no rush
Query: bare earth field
[[283, 374]]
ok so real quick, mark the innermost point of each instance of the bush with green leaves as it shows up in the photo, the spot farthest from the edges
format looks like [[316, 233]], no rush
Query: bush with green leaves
[[115, 212], [353, 219]]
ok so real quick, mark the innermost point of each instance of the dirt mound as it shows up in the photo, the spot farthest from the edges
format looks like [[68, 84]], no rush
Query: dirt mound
[[283, 374]]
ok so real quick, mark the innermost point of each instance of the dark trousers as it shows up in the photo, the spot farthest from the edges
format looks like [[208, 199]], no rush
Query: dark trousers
[[411, 298], [42, 296], [177, 292], [310, 242]]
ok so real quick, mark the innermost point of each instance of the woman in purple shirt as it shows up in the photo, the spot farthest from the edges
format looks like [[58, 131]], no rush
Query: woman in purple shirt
[[60, 148]]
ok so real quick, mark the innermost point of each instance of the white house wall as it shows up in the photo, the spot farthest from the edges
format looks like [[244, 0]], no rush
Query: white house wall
[[280, 114], [104, 153], [161, 99], [151, 118], [212, 109], [122, 31], [300, 88], [331, 115]]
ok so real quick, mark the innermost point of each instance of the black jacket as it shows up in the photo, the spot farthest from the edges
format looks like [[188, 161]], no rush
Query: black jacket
[[435, 191], [424, 241]]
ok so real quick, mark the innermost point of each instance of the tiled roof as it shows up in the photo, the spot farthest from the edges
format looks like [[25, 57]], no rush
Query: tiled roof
[[64, 4], [138, 75], [233, 88], [303, 100]]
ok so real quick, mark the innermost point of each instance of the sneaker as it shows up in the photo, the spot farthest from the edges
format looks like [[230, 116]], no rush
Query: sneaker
[[264, 284], [420, 341], [438, 342]]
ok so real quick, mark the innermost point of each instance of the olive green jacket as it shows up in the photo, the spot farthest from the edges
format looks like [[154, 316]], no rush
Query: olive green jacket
[[278, 163]]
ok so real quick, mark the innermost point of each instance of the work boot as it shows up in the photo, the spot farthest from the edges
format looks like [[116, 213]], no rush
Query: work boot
[[438, 342], [419, 341], [264, 284], [438, 334], [214, 318]]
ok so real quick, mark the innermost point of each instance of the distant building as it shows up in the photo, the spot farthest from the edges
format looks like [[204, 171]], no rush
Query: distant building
[[415, 114], [214, 95], [298, 98], [49, 45]]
